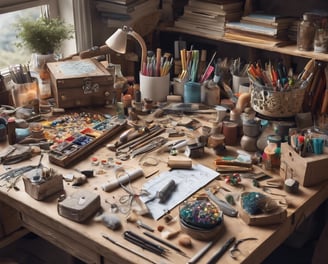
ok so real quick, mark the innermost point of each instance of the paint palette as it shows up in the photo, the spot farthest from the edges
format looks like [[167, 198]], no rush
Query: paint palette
[[75, 137]]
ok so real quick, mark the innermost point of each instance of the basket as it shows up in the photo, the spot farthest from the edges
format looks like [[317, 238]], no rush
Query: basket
[[276, 103]]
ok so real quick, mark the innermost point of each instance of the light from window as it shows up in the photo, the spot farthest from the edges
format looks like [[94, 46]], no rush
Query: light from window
[[9, 53]]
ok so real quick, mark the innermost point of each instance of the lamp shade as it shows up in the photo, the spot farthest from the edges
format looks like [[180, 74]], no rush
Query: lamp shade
[[117, 41]]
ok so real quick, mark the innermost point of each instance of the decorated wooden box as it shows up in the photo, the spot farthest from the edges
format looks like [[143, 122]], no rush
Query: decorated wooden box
[[84, 82]]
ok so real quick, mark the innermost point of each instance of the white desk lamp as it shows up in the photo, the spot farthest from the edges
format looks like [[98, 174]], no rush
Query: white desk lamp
[[118, 41]]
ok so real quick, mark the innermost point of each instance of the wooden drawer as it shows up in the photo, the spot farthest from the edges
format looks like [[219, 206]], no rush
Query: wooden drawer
[[10, 220]]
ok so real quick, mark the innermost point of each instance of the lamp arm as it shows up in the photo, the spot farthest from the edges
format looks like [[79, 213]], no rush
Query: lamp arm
[[143, 47]]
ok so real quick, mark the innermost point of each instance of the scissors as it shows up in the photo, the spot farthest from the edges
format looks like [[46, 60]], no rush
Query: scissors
[[234, 250]]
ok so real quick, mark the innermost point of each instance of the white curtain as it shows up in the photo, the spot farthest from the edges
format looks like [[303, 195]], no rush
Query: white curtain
[[83, 26]]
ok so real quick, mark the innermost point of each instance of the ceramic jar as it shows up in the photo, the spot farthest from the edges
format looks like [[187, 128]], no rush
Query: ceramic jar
[[251, 128]]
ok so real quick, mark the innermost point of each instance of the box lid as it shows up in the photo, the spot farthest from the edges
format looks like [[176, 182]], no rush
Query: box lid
[[71, 69]]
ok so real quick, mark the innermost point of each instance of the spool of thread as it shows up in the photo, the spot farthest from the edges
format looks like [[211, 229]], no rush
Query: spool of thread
[[230, 132], [192, 92], [127, 177]]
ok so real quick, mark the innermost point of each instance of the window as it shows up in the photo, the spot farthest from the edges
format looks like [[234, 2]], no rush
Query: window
[[9, 53], [9, 9]]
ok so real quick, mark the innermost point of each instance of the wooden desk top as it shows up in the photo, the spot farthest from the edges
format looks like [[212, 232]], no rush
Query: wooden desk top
[[85, 241]]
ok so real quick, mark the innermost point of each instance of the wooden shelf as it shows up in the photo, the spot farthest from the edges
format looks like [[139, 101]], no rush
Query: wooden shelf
[[288, 50]]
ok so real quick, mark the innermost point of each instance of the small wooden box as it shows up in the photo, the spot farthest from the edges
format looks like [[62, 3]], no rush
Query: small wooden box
[[79, 206], [76, 83], [308, 171], [43, 189]]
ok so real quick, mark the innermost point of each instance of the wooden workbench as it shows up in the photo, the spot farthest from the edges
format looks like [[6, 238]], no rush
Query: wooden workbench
[[85, 241]]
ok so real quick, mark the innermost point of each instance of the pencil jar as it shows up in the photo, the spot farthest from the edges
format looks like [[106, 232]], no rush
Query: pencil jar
[[154, 88], [24, 94], [276, 104], [192, 92]]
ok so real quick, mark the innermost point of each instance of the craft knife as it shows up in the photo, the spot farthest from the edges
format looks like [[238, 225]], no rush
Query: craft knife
[[226, 208]]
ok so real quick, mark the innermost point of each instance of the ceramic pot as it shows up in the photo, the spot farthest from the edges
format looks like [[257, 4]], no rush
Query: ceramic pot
[[248, 143], [251, 128]]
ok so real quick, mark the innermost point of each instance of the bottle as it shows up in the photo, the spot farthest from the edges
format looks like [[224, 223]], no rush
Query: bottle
[[306, 33], [11, 130], [45, 88]]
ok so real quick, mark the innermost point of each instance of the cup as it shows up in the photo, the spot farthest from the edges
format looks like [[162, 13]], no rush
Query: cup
[[317, 145], [154, 88], [178, 86], [221, 113], [24, 94], [230, 132], [237, 81], [192, 92]]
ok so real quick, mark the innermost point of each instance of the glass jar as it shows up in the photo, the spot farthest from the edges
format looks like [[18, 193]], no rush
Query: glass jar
[[305, 34], [321, 40]]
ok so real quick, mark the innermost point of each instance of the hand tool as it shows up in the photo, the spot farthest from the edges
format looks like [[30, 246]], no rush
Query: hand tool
[[197, 257], [324, 107], [234, 249], [221, 251], [144, 243], [128, 249], [226, 208], [178, 250], [155, 143]]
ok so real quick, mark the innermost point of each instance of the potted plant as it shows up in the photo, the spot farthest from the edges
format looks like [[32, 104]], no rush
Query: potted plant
[[43, 35]]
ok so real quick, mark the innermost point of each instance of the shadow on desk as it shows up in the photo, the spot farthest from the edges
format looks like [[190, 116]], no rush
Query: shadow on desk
[[297, 249], [32, 249]]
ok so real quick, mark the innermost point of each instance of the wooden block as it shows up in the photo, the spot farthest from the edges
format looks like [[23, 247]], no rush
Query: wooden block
[[79, 206]]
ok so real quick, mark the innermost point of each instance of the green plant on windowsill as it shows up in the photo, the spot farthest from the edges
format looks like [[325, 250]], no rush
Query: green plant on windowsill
[[43, 35]]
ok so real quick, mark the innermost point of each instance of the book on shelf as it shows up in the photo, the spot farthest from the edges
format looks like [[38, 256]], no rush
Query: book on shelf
[[144, 9], [146, 19], [225, 6], [138, 6], [256, 38], [200, 29], [245, 27], [272, 25], [191, 25], [215, 14], [121, 2], [267, 19]]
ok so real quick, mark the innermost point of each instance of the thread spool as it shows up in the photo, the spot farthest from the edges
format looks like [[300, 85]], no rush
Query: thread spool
[[192, 92], [230, 132]]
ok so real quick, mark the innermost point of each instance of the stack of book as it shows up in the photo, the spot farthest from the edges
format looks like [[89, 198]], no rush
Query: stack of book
[[116, 13], [261, 27], [209, 16]]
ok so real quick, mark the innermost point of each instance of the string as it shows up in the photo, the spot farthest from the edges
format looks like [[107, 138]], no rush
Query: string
[[132, 196]]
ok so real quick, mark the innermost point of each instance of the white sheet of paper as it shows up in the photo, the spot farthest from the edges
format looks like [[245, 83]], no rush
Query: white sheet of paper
[[187, 183]]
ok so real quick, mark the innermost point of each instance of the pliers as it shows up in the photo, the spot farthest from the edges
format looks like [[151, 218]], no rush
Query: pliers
[[234, 250]]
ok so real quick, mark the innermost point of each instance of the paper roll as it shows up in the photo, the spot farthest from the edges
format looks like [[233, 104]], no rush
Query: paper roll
[[127, 177]]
